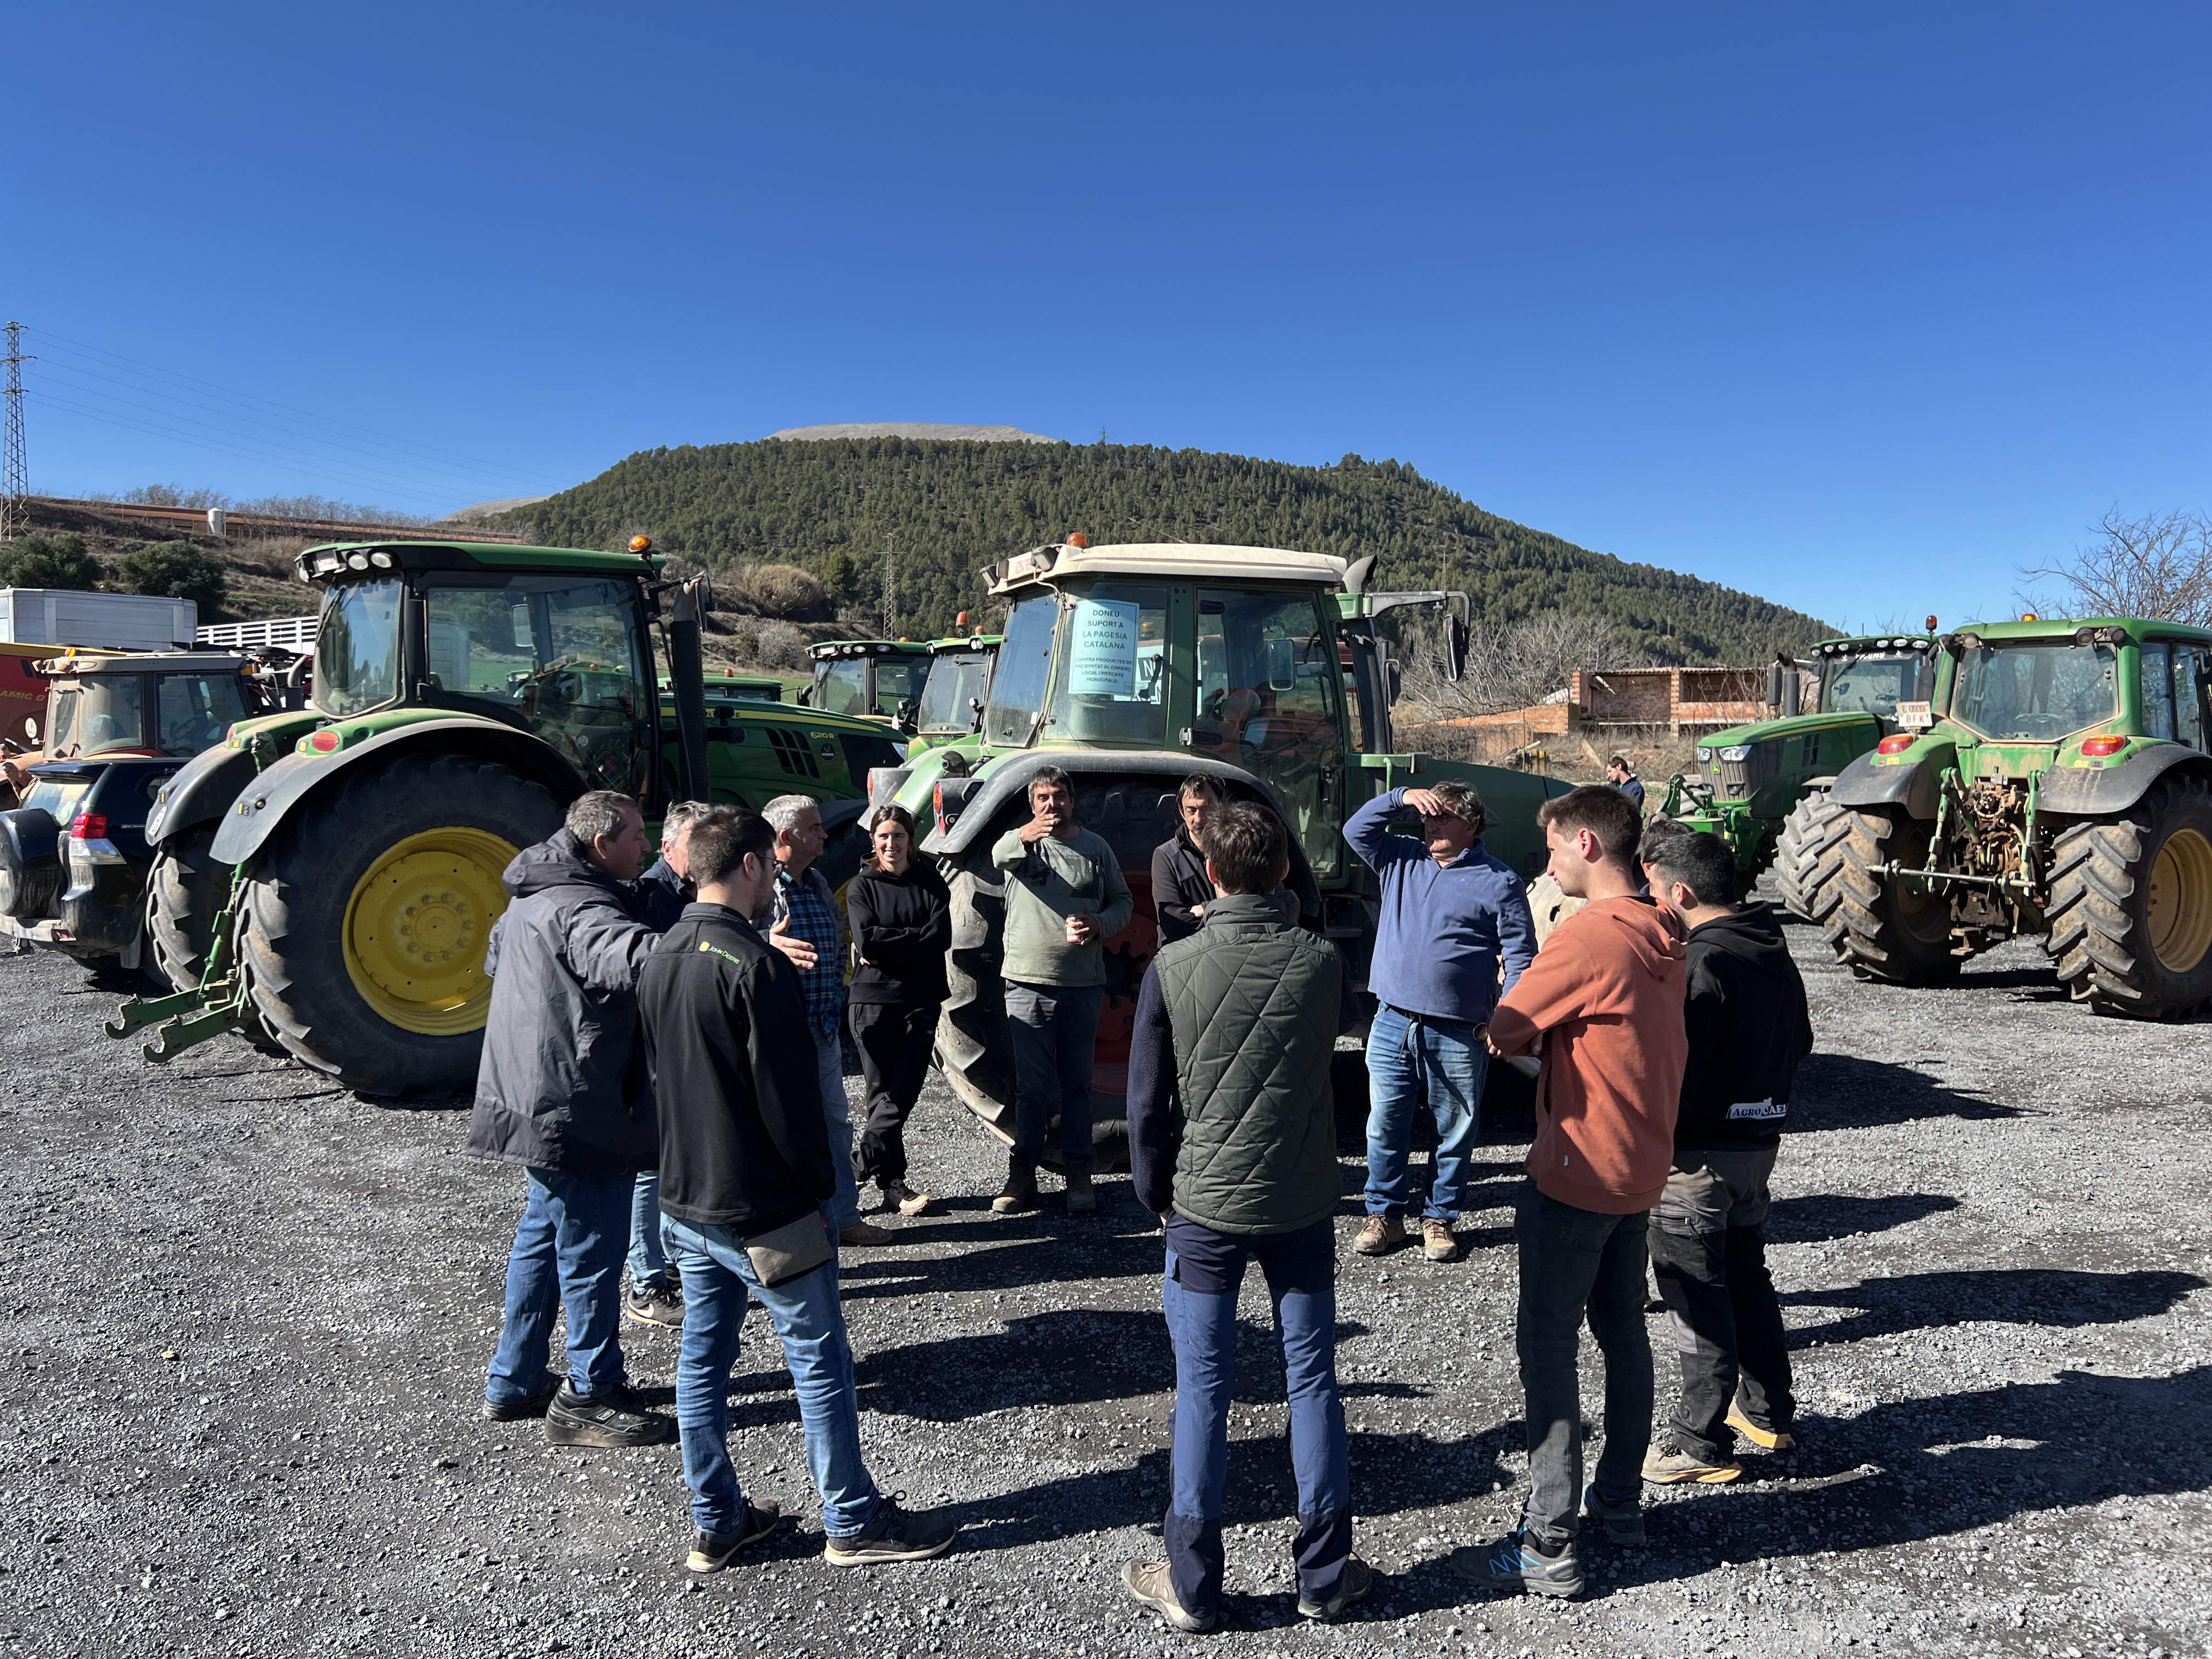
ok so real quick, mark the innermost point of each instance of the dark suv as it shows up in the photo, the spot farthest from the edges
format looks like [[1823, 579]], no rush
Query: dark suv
[[73, 856]]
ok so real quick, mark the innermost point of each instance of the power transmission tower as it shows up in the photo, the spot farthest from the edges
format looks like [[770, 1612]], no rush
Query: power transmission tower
[[14, 485], [890, 586]]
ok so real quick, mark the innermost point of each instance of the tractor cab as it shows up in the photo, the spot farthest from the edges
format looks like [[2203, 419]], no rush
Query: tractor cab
[[874, 679], [959, 682]]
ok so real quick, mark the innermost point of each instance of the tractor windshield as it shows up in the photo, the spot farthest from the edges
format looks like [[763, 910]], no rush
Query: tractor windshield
[[1025, 667], [1872, 685], [98, 714], [899, 679], [955, 679], [195, 710], [2036, 693], [357, 647], [1110, 679], [841, 685]]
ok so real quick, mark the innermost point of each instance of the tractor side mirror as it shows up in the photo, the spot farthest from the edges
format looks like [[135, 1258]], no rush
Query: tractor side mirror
[[974, 713], [1455, 651], [1774, 684], [908, 712], [1397, 681]]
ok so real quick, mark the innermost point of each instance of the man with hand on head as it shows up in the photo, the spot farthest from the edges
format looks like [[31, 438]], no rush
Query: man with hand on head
[[561, 1092], [1748, 1029], [1232, 1143], [747, 1166], [810, 930], [1604, 999], [1451, 913], [1064, 899]]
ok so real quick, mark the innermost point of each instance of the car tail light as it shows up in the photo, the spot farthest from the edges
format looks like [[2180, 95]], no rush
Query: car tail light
[[324, 741], [1894, 746], [89, 826], [2104, 745]]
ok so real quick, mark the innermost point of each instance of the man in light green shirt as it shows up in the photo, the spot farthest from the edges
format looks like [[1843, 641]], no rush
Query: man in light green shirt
[[1064, 899]]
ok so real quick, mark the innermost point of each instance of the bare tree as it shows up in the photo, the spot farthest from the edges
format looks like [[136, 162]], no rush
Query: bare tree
[[2159, 566], [1516, 664]]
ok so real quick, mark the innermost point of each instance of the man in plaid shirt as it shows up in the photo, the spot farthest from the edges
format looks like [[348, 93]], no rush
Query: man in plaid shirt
[[809, 930]]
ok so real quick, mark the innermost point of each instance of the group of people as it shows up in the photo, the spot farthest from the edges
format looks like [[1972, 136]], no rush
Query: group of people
[[643, 1063]]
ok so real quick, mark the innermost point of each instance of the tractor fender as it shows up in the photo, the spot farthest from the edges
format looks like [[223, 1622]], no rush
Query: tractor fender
[[265, 803], [1864, 784], [199, 792], [2100, 791]]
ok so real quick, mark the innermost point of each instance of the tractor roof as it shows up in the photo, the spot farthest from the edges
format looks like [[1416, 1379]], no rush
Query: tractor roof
[[144, 662], [953, 642], [1875, 642], [867, 648], [1174, 560], [2056, 629], [334, 556]]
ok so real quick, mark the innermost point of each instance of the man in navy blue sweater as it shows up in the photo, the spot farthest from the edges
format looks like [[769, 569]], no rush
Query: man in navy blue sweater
[[1450, 912]]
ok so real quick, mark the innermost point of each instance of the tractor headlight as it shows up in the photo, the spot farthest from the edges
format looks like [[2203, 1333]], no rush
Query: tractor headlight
[[1736, 751], [1703, 755]]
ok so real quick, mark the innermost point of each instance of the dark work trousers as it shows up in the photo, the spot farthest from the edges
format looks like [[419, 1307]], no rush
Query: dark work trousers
[[1709, 1254], [1576, 1262], [1054, 1029], [893, 1040]]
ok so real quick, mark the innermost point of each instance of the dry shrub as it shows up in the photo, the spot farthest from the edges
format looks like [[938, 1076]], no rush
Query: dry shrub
[[785, 591], [779, 644]]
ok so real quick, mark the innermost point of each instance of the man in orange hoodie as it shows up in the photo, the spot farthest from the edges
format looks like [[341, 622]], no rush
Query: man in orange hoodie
[[1603, 1002]]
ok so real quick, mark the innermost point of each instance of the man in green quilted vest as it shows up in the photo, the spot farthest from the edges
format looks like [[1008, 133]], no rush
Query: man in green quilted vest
[[1232, 1144]]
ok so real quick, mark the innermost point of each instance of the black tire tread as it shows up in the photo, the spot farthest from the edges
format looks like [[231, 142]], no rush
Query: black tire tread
[[2095, 929], [1809, 845], [1850, 904]]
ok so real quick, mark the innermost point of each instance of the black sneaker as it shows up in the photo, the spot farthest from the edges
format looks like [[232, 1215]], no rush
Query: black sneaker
[[531, 1404], [1358, 1579], [1514, 1563], [614, 1417], [1623, 1526], [892, 1534], [656, 1305], [711, 1551]]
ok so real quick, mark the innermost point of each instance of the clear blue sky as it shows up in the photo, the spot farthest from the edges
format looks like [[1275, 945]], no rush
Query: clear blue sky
[[1858, 308]]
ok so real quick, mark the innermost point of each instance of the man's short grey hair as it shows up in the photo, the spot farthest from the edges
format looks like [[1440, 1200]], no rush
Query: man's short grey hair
[[681, 817], [1461, 801], [783, 812], [600, 815]]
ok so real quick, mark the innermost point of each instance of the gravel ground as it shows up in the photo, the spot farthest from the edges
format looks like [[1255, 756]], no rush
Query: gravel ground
[[247, 1315]]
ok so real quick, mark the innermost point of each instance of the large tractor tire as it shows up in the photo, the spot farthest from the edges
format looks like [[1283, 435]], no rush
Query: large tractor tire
[[972, 1049], [2130, 922], [366, 920], [185, 893], [1808, 850], [1881, 927]]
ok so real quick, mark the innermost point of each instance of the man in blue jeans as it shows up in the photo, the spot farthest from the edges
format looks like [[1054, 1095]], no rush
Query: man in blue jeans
[[1232, 1144], [1450, 912], [746, 1165]]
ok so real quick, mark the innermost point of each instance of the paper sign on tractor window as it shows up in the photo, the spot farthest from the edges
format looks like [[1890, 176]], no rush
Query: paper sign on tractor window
[[1102, 660]]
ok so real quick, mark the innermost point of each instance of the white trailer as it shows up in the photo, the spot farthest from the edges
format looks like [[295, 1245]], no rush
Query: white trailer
[[113, 621]]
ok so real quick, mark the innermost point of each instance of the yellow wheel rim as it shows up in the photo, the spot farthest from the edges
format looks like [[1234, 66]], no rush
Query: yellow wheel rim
[[416, 925], [2180, 908]]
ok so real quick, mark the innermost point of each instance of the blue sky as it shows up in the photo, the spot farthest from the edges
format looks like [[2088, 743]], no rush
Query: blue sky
[[1857, 308]]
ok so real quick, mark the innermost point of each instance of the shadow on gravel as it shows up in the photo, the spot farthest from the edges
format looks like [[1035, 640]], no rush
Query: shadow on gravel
[[1817, 1217], [1122, 1242], [1843, 1092], [2013, 1296]]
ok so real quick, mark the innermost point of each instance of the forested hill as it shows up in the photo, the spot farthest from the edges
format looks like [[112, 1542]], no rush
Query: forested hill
[[832, 507]]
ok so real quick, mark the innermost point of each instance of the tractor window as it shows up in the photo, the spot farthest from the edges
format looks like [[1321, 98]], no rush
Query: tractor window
[[109, 715], [2157, 689], [1871, 685], [842, 686], [2191, 671], [195, 710], [558, 653], [1271, 682], [357, 647], [2035, 693], [1112, 683], [954, 679], [898, 679], [1025, 667]]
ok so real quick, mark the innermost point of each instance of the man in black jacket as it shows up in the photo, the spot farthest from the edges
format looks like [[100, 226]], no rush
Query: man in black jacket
[[561, 1092], [1232, 1143], [745, 1164], [1748, 1029], [1181, 891]]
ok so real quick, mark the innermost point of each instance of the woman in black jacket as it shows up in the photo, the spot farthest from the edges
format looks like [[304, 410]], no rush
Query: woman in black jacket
[[902, 919]]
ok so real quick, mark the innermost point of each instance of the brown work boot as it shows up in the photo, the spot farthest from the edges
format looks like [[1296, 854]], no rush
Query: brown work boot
[[866, 1233], [1081, 1199], [1380, 1235], [1019, 1196], [1438, 1241]]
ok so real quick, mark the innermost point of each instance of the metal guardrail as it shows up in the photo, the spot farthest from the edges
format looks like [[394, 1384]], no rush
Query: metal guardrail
[[293, 633]]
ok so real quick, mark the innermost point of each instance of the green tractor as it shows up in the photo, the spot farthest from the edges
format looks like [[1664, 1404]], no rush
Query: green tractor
[[324, 881], [1130, 668], [2062, 789], [1751, 776], [872, 679], [952, 697]]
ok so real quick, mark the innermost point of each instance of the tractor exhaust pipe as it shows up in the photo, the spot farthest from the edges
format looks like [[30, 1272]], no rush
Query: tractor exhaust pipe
[[687, 676]]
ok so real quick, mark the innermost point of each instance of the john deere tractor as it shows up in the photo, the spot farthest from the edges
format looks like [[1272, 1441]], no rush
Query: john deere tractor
[[878, 679], [2062, 789], [325, 880], [1751, 776], [952, 697], [1130, 668]]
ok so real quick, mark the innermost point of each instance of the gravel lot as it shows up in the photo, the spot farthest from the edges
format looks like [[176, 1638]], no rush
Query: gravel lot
[[247, 1315]]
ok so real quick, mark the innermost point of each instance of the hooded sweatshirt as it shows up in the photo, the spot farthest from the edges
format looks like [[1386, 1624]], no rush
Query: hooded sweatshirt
[[1605, 995], [1748, 1028]]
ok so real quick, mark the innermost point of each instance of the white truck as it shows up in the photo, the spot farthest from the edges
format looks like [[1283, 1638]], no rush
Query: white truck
[[110, 622]]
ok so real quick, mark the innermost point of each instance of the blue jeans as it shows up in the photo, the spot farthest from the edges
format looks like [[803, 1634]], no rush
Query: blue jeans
[[1409, 1055], [568, 1249], [1301, 1284], [844, 1209], [648, 1250], [1054, 1028], [809, 1321]]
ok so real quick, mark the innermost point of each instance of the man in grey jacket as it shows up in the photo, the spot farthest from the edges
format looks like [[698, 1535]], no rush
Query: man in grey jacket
[[1064, 899], [561, 1091]]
